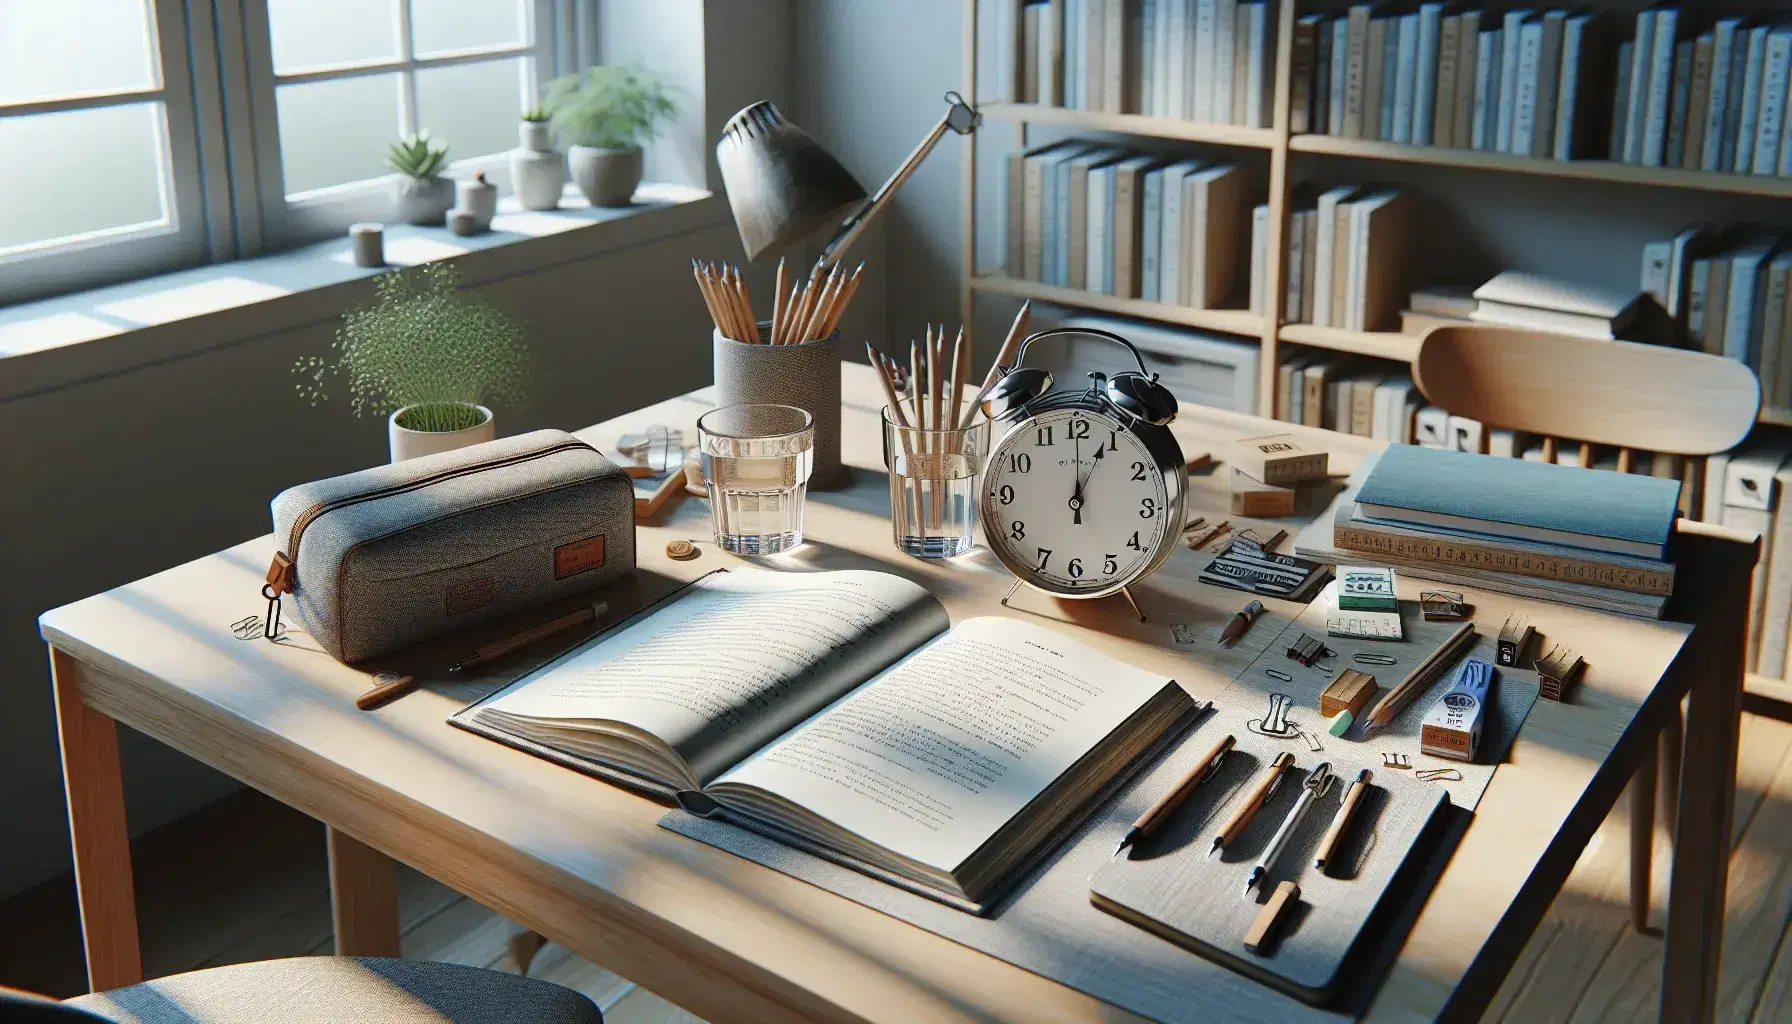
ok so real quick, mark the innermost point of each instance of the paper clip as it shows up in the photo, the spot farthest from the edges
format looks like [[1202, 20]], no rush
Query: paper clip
[[1393, 760], [1363, 658], [1278, 675], [1276, 722], [1438, 775]]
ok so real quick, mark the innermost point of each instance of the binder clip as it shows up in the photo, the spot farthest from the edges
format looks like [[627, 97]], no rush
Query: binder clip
[[1393, 760], [1556, 671], [1307, 650], [1443, 606], [1515, 636]]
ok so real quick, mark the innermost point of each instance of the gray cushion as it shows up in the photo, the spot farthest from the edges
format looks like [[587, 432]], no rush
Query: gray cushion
[[342, 990]]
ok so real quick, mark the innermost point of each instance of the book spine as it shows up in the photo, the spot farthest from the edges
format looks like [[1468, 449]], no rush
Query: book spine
[[1512, 25], [1113, 57], [1340, 66], [1195, 240], [1524, 117], [1259, 257], [1636, 106], [1176, 67], [1075, 31], [1443, 118], [1094, 25], [1300, 85], [1470, 555], [1739, 310], [1151, 227], [1697, 294], [1778, 606], [1357, 59], [1126, 234], [1260, 99], [1325, 221], [1621, 104], [1297, 247], [1051, 55], [1661, 70], [1732, 116], [1033, 208], [1390, 78], [1487, 88], [1225, 45], [1169, 257], [1424, 94], [1206, 16], [1681, 93], [1549, 73], [1717, 297], [1322, 78], [1147, 63], [1166, 43], [1772, 121], [1406, 80], [1051, 219], [1767, 330], [1698, 104], [1655, 270], [1781, 395], [1309, 259], [1723, 41], [1561, 144], [1468, 38], [1014, 258], [1753, 68]]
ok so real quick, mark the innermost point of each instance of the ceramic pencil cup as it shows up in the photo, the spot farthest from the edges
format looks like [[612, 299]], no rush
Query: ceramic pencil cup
[[805, 375]]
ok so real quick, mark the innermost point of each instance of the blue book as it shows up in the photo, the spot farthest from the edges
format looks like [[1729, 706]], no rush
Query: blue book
[[1593, 509], [1151, 215]]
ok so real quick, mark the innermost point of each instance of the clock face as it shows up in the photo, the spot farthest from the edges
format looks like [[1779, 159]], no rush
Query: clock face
[[1074, 503]]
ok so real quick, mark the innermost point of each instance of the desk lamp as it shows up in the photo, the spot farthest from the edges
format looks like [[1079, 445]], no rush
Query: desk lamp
[[782, 185]]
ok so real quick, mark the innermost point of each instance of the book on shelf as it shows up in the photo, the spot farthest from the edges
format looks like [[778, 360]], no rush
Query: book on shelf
[[1534, 302], [870, 731], [1750, 502], [1776, 566]]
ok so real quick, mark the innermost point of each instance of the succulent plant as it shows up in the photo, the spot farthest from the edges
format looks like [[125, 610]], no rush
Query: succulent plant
[[417, 156], [535, 114], [609, 107]]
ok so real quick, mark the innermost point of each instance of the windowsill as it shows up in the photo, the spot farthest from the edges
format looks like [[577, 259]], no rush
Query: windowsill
[[52, 343]]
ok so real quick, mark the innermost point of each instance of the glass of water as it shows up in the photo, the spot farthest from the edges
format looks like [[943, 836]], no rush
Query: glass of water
[[933, 486], [756, 459]]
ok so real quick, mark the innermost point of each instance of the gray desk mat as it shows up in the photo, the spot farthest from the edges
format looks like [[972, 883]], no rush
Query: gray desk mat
[[1048, 925]]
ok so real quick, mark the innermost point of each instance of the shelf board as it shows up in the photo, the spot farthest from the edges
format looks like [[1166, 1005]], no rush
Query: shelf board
[[1132, 124], [1226, 321], [1382, 344], [1593, 170]]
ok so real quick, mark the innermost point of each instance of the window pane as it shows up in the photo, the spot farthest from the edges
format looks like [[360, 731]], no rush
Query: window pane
[[87, 170], [438, 25], [332, 133], [57, 49], [314, 33], [472, 107]]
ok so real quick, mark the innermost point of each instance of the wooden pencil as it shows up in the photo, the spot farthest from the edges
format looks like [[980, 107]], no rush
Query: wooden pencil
[[1010, 345], [883, 377], [846, 293], [961, 360], [1419, 679], [914, 384], [782, 281], [749, 322], [935, 355]]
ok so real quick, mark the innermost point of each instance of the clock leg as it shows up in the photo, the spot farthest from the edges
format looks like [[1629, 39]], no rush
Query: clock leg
[[1010, 593], [1127, 591]]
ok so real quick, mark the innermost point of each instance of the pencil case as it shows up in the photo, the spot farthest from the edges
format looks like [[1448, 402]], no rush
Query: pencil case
[[380, 559]]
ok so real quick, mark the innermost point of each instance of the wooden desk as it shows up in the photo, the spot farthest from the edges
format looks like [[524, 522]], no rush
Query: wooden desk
[[584, 864]]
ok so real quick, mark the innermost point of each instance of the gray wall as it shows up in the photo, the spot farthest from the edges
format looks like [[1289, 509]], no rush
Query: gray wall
[[106, 480]]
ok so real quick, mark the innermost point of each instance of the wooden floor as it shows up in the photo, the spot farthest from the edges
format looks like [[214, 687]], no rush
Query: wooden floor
[[245, 880]]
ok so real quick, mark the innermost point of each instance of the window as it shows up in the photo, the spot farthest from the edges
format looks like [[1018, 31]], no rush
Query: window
[[97, 124]]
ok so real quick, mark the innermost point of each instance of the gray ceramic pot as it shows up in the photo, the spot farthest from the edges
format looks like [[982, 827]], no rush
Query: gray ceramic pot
[[537, 172], [608, 177], [423, 201]]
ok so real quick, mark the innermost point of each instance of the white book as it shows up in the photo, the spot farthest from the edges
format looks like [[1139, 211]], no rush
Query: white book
[[1074, 27], [1754, 65], [1100, 237], [1182, 33], [1357, 270], [1057, 255], [1144, 36], [1297, 252], [1391, 398], [1510, 26], [1636, 104], [1773, 318], [1094, 30], [1197, 227], [1688, 243], [1324, 237], [1487, 90], [1390, 76], [1549, 73], [1626, 58], [1424, 94], [1260, 260], [1776, 609], [1524, 115], [1749, 504], [1432, 428], [1163, 42], [1654, 280], [1225, 52], [1724, 35], [1151, 230], [1771, 123], [1340, 28], [1261, 79], [1170, 242], [1660, 84], [1206, 21], [1467, 435], [1742, 307], [1567, 96], [1505, 444], [1407, 81]]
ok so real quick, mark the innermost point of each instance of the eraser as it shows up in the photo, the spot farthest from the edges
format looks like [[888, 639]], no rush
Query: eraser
[[1340, 723]]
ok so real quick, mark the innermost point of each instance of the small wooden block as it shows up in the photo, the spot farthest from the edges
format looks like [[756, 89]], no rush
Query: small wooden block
[[1200, 461], [1263, 929], [1279, 459], [1350, 692], [681, 550], [1254, 498]]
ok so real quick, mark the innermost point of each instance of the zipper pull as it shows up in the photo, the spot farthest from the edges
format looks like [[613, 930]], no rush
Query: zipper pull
[[280, 574]]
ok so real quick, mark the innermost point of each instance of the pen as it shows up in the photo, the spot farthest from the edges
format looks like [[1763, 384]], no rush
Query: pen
[[1352, 797], [517, 641], [1419, 679], [1311, 790], [1266, 788], [1158, 813], [1240, 622]]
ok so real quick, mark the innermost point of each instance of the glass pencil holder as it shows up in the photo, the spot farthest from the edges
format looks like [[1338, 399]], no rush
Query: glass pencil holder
[[934, 476], [756, 461]]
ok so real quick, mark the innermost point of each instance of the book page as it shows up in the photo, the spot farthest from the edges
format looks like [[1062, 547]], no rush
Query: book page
[[735, 661], [933, 756]]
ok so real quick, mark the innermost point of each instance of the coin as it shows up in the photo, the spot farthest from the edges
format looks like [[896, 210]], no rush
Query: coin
[[681, 551]]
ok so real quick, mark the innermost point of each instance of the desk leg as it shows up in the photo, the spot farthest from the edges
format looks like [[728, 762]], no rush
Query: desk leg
[[1720, 567], [363, 897], [98, 833]]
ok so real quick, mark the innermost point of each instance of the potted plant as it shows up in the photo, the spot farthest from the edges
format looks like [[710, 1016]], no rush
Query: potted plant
[[428, 356], [420, 193], [537, 171], [605, 114]]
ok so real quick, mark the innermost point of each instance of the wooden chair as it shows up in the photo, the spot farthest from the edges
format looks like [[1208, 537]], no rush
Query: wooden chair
[[1628, 396]]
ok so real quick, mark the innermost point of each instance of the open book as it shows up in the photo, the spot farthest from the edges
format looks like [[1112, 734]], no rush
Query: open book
[[839, 708]]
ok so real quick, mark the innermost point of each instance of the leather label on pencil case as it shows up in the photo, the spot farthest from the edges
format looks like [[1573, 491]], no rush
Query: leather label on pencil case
[[578, 556], [471, 595]]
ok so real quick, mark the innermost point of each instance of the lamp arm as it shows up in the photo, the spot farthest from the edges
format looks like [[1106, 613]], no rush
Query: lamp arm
[[960, 118]]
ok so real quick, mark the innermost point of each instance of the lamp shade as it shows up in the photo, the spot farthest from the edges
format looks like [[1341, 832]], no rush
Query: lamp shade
[[782, 186]]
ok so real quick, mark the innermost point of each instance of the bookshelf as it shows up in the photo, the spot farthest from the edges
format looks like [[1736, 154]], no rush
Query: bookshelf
[[1280, 145]]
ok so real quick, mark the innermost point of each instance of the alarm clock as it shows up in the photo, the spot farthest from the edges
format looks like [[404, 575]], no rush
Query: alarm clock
[[1084, 492]]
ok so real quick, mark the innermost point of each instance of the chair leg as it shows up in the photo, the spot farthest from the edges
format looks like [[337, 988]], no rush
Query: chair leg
[[1642, 840], [1672, 738]]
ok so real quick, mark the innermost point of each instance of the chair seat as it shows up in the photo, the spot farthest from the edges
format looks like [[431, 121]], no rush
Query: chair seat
[[342, 990]]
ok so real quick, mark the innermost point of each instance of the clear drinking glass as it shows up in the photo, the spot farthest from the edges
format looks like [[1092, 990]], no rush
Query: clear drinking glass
[[933, 486], [756, 459]]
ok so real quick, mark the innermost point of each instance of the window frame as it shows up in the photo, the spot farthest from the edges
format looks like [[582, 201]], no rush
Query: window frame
[[324, 212], [129, 251]]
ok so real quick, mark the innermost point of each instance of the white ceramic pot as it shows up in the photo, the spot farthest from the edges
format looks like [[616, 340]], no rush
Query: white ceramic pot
[[406, 443], [422, 201], [537, 172], [479, 198], [608, 177]]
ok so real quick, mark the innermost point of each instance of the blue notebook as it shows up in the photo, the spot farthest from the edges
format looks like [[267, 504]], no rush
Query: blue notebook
[[1585, 508]]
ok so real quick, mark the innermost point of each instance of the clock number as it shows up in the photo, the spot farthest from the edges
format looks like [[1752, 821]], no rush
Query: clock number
[[1108, 565], [1138, 471], [1045, 555], [1134, 542], [1076, 568], [1020, 462], [1017, 530], [1113, 441], [1007, 494], [1044, 438], [1147, 509], [1079, 430]]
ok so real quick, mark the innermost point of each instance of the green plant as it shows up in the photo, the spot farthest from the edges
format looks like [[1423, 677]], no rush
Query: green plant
[[416, 156], [611, 107], [535, 114], [427, 345]]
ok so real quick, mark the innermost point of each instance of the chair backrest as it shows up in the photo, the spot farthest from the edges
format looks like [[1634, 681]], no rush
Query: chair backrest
[[1606, 392], [18, 1007]]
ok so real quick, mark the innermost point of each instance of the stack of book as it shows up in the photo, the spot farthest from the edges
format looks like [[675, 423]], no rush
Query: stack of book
[[1211, 61], [1365, 397], [1665, 87], [1727, 291], [1346, 257], [1437, 306], [1536, 303], [1561, 533], [1096, 217]]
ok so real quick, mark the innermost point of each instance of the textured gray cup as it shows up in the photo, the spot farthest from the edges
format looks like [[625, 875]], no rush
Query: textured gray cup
[[806, 376]]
